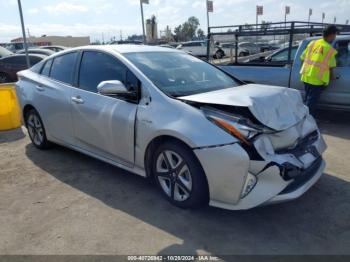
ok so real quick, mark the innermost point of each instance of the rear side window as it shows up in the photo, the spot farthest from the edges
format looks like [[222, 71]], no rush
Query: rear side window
[[19, 60], [46, 69], [62, 68], [97, 67]]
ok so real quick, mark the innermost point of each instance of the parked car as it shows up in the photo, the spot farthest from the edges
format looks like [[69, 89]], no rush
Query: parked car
[[39, 51], [167, 46], [55, 48], [10, 65], [230, 48], [4, 52], [205, 136], [14, 47], [337, 94], [248, 48], [280, 56], [199, 48]]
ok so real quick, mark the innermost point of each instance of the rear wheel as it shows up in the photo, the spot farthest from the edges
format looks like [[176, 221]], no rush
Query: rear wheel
[[36, 129], [180, 176]]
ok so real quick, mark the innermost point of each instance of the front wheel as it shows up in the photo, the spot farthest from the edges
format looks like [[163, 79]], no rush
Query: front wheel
[[36, 130], [219, 54], [180, 176]]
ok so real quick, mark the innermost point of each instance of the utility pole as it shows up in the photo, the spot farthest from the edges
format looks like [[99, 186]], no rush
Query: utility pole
[[286, 12], [323, 17], [142, 18], [335, 20], [310, 14], [210, 8], [259, 11], [23, 33]]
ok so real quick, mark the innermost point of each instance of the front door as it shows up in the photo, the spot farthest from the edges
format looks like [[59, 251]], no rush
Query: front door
[[102, 125], [338, 91]]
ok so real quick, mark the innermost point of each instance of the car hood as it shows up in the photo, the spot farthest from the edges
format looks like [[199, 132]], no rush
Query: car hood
[[278, 108]]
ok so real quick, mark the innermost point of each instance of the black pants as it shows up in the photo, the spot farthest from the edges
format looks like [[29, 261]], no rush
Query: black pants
[[312, 95]]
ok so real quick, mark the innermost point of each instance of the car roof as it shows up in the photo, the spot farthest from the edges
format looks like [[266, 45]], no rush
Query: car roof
[[60, 46], [339, 37], [196, 41], [37, 50], [121, 49], [21, 55]]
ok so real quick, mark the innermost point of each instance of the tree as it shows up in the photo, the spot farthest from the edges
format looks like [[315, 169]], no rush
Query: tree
[[200, 33], [187, 30], [178, 33]]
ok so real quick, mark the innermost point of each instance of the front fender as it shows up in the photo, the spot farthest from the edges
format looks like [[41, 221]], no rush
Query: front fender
[[179, 120]]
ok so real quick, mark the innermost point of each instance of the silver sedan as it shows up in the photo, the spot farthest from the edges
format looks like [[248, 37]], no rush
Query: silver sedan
[[204, 136]]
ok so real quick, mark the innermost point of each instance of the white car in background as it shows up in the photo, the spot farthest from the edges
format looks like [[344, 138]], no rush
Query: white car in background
[[199, 49]]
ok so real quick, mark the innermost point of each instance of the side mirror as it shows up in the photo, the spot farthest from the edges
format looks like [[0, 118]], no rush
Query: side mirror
[[115, 88]]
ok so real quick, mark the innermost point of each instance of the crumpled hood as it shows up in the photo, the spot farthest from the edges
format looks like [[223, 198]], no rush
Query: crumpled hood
[[278, 108]]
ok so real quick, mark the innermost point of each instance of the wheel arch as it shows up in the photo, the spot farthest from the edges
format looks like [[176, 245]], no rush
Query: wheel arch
[[26, 109], [154, 143]]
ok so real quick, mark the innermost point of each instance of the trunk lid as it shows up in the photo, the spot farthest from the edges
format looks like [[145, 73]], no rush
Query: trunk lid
[[276, 107]]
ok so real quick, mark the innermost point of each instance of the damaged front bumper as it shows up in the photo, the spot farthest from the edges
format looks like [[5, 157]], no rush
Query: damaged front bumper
[[285, 167]]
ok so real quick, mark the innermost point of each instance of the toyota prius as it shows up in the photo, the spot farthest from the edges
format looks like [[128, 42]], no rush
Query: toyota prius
[[203, 135]]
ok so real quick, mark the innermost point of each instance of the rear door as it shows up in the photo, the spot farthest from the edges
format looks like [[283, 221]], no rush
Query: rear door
[[53, 96], [338, 92], [103, 125]]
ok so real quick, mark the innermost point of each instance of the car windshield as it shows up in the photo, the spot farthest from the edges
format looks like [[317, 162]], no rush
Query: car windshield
[[180, 74]]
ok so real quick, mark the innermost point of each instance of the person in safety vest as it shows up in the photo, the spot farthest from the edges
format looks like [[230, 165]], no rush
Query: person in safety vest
[[318, 63]]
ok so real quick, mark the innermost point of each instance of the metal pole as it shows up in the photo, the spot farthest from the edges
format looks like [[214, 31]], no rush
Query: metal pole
[[257, 22], [23, 33], [285, 25], [143, 23], [208, 33]]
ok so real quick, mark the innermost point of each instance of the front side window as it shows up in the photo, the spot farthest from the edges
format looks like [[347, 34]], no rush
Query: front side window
[[97, 67], [180, 74], [343, 56], [282, 56], [62, 68]]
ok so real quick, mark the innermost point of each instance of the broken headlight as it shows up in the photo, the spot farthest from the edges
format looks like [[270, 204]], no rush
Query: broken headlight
[[238, 126]]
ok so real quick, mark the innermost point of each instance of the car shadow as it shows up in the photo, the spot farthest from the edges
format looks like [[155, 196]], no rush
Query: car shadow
[[316, 223], [334, 123], [11, 135]]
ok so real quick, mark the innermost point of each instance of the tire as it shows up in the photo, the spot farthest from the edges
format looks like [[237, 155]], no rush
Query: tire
[[219, 54], [179, 175], [36, 130], [4, 78]]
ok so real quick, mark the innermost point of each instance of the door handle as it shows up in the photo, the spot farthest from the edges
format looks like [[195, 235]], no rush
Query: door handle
[[77, 100], [40, 88]]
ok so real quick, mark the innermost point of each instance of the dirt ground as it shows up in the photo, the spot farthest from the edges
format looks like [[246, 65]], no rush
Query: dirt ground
[[62, 202]]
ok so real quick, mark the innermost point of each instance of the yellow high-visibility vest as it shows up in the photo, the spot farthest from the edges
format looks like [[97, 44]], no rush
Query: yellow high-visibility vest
[[318, 57]]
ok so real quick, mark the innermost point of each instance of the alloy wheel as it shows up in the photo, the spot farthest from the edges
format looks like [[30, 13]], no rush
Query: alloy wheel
[[35, 129], [174, 175]]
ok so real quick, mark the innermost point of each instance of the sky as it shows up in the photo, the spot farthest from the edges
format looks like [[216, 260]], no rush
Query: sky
[[113, 18]]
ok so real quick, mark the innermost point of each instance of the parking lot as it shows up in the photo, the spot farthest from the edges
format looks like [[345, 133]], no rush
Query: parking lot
[[62, 202]]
